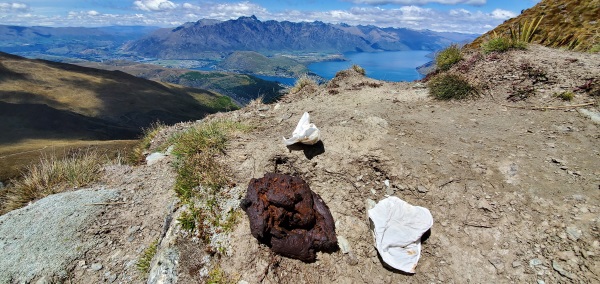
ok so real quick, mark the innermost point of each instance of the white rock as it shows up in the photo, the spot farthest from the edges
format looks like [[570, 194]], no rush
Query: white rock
[[154, 158], [344, 244]]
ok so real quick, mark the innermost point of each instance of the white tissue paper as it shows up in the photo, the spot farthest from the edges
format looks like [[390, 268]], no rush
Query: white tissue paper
[[398, 227], [305, 132]]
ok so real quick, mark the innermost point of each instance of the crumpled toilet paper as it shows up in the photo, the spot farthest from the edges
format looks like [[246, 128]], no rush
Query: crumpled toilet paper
[[305, 132], [398, 227]]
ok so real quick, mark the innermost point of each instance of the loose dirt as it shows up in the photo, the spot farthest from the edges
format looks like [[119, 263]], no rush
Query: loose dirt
[[514, 192]]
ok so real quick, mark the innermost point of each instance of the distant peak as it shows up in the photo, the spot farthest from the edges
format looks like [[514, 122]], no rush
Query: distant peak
[[251, 18]]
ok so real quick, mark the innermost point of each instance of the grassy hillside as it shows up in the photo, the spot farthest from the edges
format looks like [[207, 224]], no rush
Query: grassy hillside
[[113, 98], [242, 88], [571, 24], [62, 104]]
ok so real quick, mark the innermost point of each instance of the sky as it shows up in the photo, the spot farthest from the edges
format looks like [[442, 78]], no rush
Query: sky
[[469, 16]]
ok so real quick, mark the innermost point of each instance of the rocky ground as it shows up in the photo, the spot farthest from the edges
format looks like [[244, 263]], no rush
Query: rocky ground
[[513, 185]]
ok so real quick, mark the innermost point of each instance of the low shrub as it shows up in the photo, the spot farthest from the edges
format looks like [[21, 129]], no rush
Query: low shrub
[[450, 86], [448, 57]]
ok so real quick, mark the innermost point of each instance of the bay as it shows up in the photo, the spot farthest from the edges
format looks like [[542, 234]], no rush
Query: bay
[[393, 66]]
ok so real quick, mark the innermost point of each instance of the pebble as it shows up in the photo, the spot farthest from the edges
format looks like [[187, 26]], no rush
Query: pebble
[[344, 244], [573, 233], [535, 262], [516, 264], [96, 266], [351, 259], [498, 264], [421, 189], [556, 266]]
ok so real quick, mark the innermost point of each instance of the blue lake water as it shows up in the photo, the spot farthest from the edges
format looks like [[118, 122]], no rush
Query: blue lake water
[[388, 65], [281, 80]]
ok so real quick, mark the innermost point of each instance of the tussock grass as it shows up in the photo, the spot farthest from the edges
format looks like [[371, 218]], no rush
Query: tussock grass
[[305, 82], [448, 57], [359, 69], [52, 175], [200, 176], [501, 44], [450, 86]]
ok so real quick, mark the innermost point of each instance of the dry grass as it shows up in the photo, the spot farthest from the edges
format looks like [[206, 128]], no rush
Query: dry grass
[[304, 83], [138, 154], [568, 24], [14, 158], [53, 175]]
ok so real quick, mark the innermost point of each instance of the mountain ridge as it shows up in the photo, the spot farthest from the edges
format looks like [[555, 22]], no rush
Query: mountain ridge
[[251, 34]]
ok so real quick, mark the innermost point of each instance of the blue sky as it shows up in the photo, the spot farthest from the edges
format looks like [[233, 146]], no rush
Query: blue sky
[[473, 16]]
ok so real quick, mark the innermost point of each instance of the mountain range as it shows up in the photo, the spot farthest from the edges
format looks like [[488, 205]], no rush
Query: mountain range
[[73, 42], [190, 40]]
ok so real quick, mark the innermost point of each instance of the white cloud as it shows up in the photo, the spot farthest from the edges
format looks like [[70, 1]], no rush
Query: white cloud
[[13, 7], [154, 5], [172, 15], [502, 14], [418, 2]]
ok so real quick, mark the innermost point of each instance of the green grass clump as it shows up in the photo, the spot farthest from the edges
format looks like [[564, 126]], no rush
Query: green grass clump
[[359, 69], [52, 175], [450, 86], [448, 57], [498, 44], [566, 96], [200, 176], [144, 261]]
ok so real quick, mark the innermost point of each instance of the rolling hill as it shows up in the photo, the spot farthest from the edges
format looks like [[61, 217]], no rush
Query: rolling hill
[[240, 87], [43, 99]]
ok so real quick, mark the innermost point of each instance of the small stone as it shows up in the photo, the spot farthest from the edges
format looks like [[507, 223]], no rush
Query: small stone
[[351, 259], [556, 266], [43, 280], [277, 106], [96, 266], [387, 183], [133, 229], [573, 233], [535, 262], [566, 255], [421, 189], [343, 244], [370, 203], [265, 108], [539, 281], [81, 263], [498, 264], [110, 277], [516, 264]]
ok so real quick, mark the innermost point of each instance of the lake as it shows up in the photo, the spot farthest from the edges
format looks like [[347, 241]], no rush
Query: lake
[[386, 65]]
